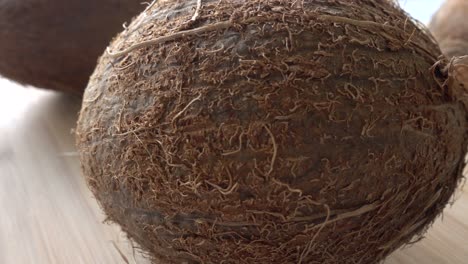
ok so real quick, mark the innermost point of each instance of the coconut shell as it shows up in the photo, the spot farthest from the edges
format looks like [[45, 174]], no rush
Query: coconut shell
[[55, 44], [273, 131], [450, 27]]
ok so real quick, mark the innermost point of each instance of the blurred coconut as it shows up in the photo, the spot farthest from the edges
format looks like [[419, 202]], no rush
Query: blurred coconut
[[450, 27], [55, 44]]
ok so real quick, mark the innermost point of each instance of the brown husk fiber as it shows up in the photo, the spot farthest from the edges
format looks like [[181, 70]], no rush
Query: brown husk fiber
[[272, 131], [55, 44], [450, 27]]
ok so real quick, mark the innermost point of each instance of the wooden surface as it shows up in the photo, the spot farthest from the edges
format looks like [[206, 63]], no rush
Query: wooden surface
[[48, 215]]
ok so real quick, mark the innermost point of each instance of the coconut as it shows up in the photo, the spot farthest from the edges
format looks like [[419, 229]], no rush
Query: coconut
[[450, 28], [271, 131], [55, 44]]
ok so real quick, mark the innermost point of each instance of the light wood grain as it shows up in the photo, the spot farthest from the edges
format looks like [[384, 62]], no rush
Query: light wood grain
[[49, 216]]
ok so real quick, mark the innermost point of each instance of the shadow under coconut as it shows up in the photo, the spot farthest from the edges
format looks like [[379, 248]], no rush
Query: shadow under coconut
[[48, 214], [445, 241]]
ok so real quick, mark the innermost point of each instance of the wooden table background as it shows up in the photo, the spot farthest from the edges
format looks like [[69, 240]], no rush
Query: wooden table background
[[48, 215]]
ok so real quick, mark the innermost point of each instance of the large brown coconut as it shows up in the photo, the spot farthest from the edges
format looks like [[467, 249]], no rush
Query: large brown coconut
[[450, 27], [55, 44], [271, 131]]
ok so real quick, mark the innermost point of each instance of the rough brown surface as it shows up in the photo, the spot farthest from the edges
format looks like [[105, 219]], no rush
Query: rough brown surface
[[273, 131], [450, 27], [55, 44]]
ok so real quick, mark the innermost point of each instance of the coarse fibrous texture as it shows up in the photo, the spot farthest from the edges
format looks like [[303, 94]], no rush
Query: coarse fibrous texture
[[450, 27], [55, 44], [273, 131]]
